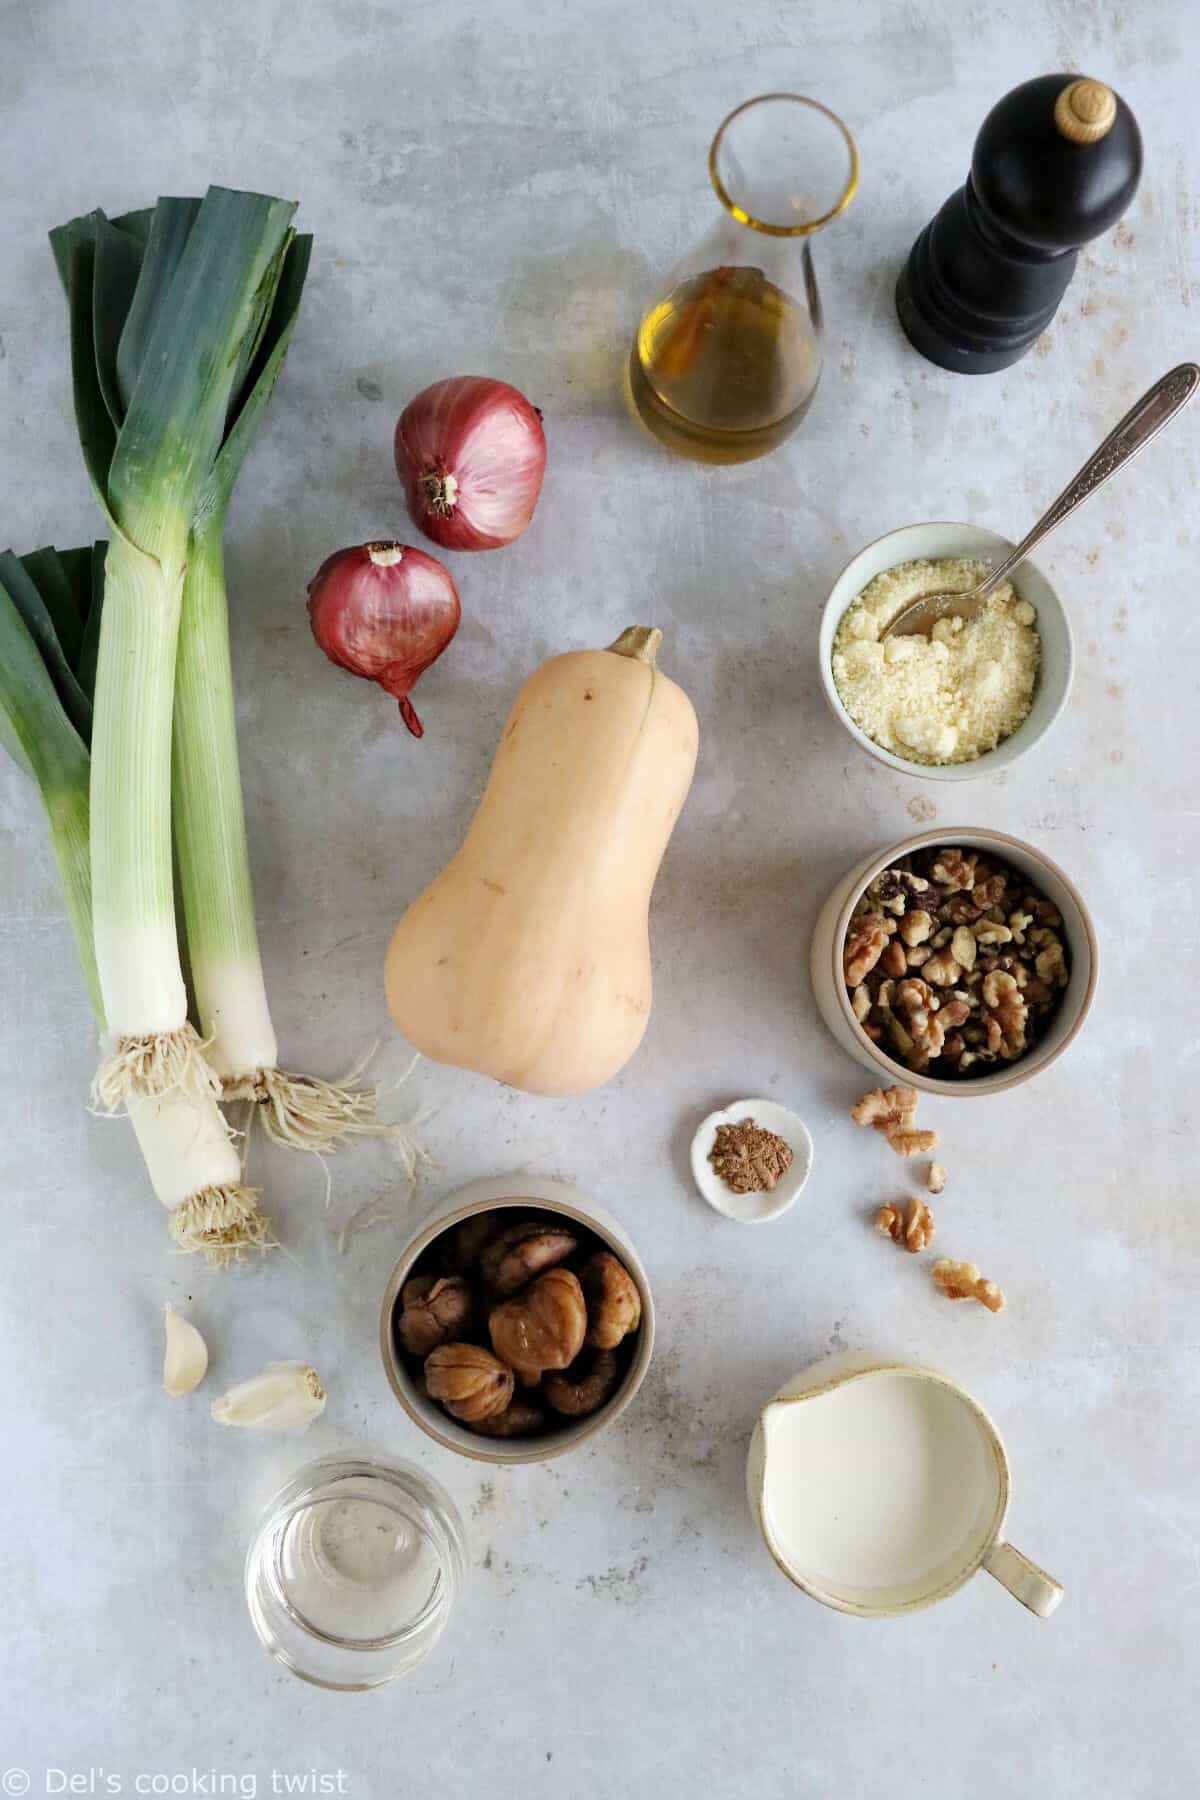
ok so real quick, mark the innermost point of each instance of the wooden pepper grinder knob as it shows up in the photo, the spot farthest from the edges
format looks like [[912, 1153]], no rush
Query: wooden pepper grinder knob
[[1056, 163]]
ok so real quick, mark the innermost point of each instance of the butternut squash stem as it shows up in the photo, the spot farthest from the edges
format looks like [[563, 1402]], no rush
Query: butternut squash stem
[[639, 642]]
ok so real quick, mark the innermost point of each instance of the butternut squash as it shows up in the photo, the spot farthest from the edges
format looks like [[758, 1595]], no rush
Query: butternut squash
[[528, 958]]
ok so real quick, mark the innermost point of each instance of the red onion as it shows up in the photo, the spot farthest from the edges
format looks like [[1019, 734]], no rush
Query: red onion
[[471, 453], [384, 611]]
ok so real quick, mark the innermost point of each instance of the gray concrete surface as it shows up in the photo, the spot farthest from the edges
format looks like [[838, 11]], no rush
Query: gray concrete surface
[[498, 188]]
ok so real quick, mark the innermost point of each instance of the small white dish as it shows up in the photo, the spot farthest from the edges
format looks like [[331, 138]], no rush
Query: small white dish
[[753, 1209]]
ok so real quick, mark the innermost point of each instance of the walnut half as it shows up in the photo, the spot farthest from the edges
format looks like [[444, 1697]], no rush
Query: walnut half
[[962, 1281], [914, 1232], [893, 1112]]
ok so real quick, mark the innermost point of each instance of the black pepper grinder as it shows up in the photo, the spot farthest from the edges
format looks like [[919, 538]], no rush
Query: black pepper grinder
[[1056, 163]]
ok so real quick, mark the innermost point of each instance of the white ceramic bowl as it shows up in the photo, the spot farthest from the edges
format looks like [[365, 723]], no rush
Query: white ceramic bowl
[[938, 540], [833, 1001], [537, 1194]]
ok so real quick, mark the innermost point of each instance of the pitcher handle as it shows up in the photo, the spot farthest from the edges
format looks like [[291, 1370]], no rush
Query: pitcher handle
[[1023, 1579]]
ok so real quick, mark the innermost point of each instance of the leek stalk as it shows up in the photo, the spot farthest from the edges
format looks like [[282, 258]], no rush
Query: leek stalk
[[50, 608], [166, 310], [303, 1112]]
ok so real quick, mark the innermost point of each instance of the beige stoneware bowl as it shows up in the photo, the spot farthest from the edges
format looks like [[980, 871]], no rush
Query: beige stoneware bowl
[[833, 1001], [934, 541], [543, 1195]]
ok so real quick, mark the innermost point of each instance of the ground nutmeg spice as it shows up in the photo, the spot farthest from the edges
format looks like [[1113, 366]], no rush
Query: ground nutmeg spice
[[748, 1159]]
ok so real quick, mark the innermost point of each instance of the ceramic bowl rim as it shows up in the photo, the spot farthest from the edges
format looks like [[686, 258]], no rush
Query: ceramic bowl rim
[[993, 1536], [991, 760], [1039, 1057], [574, 1433]]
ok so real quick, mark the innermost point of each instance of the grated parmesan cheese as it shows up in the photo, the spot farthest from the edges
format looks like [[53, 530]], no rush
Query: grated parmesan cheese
[[946, 698]]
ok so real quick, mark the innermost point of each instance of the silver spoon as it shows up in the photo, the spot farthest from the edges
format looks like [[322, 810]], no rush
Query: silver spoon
[[1145, 420]]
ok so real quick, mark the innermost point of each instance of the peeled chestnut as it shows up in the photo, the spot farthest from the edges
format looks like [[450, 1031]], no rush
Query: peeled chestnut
[[433, 1312], [463, 1247], [469, 1381], [521, 1418], [584, 1387], [614, 1305], [522, 1252], [541, 1328]]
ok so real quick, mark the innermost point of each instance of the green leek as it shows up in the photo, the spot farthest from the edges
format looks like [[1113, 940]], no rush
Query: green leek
[[50, 610], [300, 1111], [167, 311]]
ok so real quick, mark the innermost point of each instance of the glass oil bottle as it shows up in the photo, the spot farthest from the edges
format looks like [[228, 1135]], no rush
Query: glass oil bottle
[[727, 359]]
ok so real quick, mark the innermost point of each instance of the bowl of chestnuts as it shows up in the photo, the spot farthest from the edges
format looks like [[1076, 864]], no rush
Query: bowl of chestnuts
[[517, 1322]]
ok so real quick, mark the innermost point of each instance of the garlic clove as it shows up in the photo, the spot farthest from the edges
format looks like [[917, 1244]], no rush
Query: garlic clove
[[285, 1397], [185, 1360]]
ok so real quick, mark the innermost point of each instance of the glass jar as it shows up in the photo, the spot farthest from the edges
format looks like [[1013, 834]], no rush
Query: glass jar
[[354, 1570], [727, 358]]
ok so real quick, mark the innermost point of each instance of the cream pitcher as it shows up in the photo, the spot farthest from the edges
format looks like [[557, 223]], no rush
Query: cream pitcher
[[880, 1487]]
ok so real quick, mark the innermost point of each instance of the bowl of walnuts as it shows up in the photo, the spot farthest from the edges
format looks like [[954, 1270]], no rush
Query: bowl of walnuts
[[960, 963], [517, 1322]]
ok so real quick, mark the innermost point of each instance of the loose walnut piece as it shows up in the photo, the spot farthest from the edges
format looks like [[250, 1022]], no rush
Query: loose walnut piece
[[914, 1232], [614, 1305], [523, 1251], [892, 1111], [962, 1281], [584, 1387], [468, 1380], [885, 1108], [542, 1328], [935, 1177], [433, 1312], [913, 1143]]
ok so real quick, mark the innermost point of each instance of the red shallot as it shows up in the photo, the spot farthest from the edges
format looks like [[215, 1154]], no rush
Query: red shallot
[[384, 611], [471, 453]]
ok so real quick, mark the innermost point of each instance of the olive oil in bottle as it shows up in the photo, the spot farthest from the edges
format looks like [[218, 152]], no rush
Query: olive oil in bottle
[[725, 367]]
